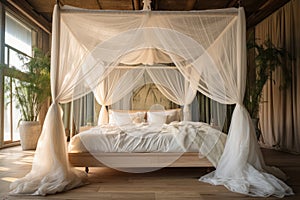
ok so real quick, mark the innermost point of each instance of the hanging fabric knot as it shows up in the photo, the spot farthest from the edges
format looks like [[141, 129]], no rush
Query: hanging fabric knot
[[103, 115], [186, 113], [147, 4]]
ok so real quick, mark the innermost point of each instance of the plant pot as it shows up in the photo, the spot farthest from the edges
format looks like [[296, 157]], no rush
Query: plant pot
[[30, 132]]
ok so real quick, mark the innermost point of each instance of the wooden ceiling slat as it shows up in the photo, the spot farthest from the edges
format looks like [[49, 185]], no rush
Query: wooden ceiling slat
[[176, 5], [28, 11], [205, 4], [116, 4], [264, 11], [42, 6], [232, 3], [88, 4], [256, 10]]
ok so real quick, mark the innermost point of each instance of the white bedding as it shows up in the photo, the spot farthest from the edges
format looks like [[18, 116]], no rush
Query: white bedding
[[143, 137]]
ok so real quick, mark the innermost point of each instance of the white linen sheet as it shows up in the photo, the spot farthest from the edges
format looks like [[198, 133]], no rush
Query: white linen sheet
[[174, 137]]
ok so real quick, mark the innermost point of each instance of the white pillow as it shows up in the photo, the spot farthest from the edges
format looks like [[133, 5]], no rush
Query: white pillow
[[125, 117], [156, 117], [166, 116], [120, 118]]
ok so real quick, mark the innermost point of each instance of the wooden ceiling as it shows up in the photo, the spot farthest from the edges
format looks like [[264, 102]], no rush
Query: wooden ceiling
[[41, 10]]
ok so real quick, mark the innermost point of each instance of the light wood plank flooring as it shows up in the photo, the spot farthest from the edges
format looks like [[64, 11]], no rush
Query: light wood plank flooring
[[167, 183]]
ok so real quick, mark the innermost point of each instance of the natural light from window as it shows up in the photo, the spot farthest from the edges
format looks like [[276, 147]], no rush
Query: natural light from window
[[17, 35], [18, 41]]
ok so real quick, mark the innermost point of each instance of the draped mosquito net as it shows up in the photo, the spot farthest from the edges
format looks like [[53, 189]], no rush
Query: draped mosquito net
[[107, 52]]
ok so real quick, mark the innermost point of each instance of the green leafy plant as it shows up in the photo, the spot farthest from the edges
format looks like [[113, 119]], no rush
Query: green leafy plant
[[33, 92], [267, 58]]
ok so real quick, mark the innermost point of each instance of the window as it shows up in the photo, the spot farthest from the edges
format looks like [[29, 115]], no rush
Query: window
[[19, 40], [18, 35]]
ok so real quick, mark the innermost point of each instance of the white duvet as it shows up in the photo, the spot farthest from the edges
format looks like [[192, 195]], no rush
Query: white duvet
[[174, 137]]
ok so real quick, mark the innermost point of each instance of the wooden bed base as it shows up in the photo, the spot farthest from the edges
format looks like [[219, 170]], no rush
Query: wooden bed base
[[135, 160]]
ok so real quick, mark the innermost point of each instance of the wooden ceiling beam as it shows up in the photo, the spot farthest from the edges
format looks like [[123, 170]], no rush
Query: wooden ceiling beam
[[26, 9], [30, 8], [232, 3], [264, 11]]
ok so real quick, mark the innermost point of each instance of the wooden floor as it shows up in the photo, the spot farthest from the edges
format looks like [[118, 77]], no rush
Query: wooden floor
[[167, 183]]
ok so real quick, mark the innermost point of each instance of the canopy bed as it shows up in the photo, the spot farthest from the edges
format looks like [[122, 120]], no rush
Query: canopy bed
[[208, 50], [149, 146]]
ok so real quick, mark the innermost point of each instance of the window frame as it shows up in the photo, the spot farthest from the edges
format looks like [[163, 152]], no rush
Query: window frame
[[7, 71]]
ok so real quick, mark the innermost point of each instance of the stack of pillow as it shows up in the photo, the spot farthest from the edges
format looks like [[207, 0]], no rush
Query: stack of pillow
[[125, 117]]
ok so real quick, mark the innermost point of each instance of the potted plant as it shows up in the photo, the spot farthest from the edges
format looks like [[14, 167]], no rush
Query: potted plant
[[31, 95], [267, 58]]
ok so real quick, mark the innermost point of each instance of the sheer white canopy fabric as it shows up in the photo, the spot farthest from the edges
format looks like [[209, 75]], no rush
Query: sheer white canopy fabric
[[51, 171], [175, 87], [121, 81], [114, 87], [208, 49]]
